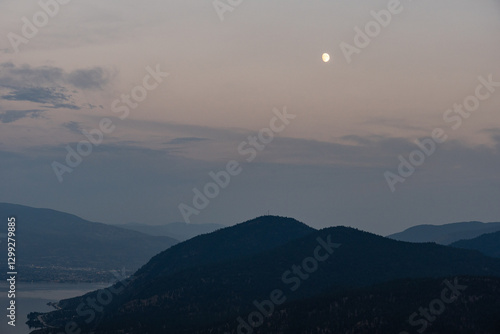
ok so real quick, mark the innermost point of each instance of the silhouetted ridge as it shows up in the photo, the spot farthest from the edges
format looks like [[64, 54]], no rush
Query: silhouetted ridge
[[244, 239], [488, 244]]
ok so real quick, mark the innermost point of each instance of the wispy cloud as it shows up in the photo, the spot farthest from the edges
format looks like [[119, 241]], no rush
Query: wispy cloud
[[50, 87], [93, 78], [12, 75], [10, 116], [74, 127], [56, 96], [398, 123], [185, 140]]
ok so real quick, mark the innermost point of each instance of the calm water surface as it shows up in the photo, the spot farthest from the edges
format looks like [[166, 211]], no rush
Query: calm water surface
[[34, 298]]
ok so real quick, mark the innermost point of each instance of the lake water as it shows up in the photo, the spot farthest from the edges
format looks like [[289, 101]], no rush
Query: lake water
[[34, 298]]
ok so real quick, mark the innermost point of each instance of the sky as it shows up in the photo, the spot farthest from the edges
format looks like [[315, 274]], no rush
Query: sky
[[178, 90]]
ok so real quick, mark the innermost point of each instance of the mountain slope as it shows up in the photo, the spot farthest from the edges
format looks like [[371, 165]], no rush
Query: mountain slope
[[445, 234], [54, 245], [488, 244], [178, 231], [185, 298], [387, 308], [237, 242]]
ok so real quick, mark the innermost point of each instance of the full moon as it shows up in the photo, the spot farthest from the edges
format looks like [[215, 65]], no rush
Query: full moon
[[325, 57]]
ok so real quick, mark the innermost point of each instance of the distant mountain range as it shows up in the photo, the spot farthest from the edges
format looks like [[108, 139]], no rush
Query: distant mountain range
[[445, 234], [178, 231], [218, 282], [488, 244], [56, 246]]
